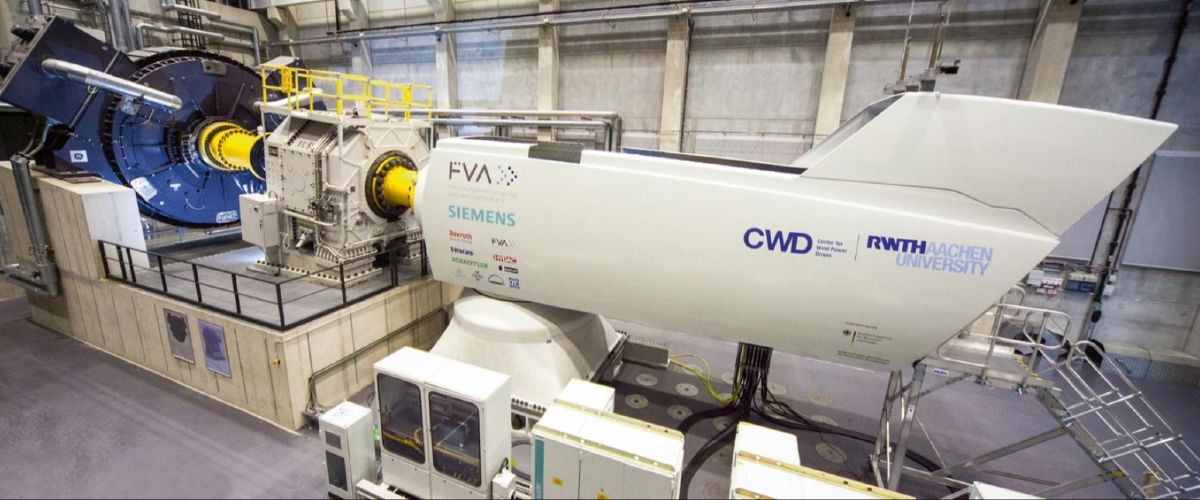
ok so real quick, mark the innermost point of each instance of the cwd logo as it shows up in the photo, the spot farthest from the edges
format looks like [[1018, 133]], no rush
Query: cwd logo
[[778, 241], [480, 173]]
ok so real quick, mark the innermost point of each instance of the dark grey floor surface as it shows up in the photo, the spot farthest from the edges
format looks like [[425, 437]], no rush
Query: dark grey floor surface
[[76, 422]]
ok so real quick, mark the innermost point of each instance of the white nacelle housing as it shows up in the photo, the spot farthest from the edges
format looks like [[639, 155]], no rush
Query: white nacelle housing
[[908, 223]]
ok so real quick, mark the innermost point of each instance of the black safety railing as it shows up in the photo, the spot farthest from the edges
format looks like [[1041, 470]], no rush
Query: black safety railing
[[276, 302]]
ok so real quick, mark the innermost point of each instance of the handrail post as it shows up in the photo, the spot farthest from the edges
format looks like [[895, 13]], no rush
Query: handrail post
[[121, 262], [395, 278], [104, 259], [279, 301], [162, 272], [424, 259], [196, 279], [342, 276], [132, 268], [237, 298]]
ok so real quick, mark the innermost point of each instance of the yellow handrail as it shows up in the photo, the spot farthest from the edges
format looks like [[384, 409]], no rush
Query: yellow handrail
[[357, 90]]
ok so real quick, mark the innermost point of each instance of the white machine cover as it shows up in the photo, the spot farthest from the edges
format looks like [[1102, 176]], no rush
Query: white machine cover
[[909, 222]]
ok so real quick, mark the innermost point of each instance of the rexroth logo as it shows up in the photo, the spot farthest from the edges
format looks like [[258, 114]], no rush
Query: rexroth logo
[[463, 237], [504, 259]]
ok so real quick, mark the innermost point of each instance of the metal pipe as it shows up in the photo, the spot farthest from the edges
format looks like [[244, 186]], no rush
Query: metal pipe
[[524, 112], [255, 42], [109, 83], [35, 7], [251, 30], [566, 18], [43, 279], [142, 28], [119, 24], [519, 123], [299, 99], [170, 5]]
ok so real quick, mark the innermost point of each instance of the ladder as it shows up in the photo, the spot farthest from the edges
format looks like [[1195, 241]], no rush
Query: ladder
[[1021, 348]]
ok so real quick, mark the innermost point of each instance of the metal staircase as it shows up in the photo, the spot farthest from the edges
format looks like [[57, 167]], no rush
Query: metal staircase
[[1022, 348]]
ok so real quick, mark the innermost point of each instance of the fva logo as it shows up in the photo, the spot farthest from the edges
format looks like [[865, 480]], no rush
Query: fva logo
[[480, 173], [777, 241]]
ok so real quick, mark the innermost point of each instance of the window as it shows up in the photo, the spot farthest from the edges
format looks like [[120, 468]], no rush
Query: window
[[336, 467], [401, 429], [454, 429]]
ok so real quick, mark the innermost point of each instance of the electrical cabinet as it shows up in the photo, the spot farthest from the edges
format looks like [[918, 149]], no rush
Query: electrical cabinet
[[588, 395], [444, 424], [260, 220], [349, 441], [766, 464], [581, 452]]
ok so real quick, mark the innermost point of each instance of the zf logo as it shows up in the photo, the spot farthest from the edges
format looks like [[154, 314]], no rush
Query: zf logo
[[778, 241], [514, 283], [482, 174]]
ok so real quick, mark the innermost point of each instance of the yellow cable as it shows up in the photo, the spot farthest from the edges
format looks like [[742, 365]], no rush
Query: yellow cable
[[704, 377]]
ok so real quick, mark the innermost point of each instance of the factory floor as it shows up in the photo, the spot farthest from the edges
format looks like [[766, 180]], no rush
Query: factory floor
[[78, 422]]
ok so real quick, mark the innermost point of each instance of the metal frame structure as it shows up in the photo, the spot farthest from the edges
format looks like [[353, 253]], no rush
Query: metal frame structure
[[1102, 411], [154, 277], [607, 14], [504, 120]]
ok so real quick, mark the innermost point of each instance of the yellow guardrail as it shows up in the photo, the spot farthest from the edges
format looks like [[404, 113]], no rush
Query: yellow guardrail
[[303, 88]]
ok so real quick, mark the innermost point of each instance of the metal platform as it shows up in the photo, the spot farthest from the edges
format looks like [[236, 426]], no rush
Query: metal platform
[[225, 282], [1022, 349]]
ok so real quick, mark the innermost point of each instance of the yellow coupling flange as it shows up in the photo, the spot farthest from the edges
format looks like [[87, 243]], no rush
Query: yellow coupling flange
[[228, 147], [391, 185]]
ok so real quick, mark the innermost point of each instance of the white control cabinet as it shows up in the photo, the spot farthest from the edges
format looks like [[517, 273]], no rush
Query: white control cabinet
[[347, 433], [444, 424]]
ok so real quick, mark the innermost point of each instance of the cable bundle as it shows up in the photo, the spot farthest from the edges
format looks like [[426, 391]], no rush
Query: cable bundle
[[751, 396]]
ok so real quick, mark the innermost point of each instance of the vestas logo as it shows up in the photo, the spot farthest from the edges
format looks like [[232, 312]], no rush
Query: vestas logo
[[778, 241], [891, 244], [480, 173]]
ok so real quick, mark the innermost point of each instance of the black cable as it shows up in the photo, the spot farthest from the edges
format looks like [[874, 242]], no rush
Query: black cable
[[753, 363]]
